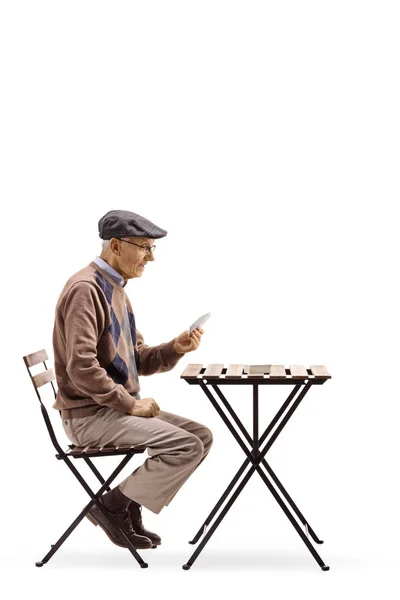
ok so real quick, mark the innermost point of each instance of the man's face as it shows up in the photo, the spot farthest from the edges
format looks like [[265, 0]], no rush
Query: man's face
[[131, 260]]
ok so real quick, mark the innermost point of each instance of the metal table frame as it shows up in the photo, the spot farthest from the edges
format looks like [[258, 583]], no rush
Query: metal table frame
[[256, 454]]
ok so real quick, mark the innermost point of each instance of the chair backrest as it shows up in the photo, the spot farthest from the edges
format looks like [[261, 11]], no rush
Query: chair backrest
[[46, 376]]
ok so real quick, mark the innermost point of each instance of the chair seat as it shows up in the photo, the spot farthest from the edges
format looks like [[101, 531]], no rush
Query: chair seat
[[82, 452]]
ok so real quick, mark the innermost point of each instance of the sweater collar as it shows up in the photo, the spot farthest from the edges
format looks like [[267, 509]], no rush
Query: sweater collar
[[115, 276]]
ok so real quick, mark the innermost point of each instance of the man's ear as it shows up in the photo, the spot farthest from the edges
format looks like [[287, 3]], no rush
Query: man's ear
[[115, 246]]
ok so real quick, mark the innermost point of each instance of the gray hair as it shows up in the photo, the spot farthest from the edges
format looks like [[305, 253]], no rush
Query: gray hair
[[105, 244]]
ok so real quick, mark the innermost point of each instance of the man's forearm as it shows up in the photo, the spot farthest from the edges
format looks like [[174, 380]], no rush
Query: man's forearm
[[156, 359]]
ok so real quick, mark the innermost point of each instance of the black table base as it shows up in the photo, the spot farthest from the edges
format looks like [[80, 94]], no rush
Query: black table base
[[256, 458]]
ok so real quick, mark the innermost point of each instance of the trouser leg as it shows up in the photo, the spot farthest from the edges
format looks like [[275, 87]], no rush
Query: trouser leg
[[173, 452], [201, 431]]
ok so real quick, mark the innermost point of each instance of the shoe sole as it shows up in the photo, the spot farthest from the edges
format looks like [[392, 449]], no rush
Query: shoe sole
[[108, 534]]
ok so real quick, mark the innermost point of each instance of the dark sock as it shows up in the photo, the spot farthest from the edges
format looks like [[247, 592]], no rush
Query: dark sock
[[115, 500]]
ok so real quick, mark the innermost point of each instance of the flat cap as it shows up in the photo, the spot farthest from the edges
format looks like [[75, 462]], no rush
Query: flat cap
[[120, 223]]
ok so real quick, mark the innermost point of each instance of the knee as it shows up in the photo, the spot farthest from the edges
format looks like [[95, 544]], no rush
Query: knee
[[194, 447], [207, 438]]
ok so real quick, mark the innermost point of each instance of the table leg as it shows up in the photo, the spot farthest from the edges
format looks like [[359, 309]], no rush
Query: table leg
[[229, 505], [218, 521], [255, 456], [284, 493], [293, 521], [220, 502], [295, 403], [266, 448]]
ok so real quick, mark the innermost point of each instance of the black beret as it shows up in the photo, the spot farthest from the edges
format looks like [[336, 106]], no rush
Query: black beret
[[121, 223]]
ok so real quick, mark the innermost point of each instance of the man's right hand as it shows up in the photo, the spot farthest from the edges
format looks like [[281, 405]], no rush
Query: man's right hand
[[146, 407]]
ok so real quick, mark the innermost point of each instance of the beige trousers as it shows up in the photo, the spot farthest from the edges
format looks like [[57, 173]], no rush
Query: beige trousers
[[176, 446]]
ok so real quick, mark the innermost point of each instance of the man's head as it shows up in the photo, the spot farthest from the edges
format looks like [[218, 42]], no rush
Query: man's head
[[127, 237], [126, 257]]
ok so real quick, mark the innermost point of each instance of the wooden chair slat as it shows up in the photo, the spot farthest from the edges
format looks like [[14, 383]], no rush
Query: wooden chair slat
[[277, 372], [43, 378], [234, 372], [298, 371], [213, 370], [76, 450], [320, 372], [191, 371], [93, 450], [35, 358]]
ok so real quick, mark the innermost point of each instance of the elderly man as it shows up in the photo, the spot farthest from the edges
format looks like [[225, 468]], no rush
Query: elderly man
[[98, 357]]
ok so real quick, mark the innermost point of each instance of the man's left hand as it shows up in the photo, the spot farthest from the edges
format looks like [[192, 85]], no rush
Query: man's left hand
[[185, 343]]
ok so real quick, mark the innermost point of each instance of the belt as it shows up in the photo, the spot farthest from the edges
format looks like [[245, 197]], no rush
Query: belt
[[83, 411], [86, 411]]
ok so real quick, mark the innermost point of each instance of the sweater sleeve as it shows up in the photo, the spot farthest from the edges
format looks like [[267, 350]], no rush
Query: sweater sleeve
[[156, 359], [84, 320]]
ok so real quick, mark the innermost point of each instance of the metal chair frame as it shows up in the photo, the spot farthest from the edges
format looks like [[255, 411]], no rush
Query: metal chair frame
[[76, 452]]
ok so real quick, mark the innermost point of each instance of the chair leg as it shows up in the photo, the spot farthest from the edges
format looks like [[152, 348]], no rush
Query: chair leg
[[95, 471], [56, 546], [95, 499]]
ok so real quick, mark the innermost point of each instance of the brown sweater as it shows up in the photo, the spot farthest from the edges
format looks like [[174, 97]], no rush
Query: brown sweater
[[98, 352]]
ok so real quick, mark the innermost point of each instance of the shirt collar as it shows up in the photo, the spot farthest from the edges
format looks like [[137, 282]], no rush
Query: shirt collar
[[110, 271]]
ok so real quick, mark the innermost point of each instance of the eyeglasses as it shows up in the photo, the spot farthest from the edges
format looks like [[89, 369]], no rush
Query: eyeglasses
[[146, 249]]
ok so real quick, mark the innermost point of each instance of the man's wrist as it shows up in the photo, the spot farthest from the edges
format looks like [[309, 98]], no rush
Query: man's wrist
[[177, 351]]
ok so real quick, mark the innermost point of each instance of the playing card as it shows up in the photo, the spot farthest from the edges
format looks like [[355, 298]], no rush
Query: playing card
[[200, 321]]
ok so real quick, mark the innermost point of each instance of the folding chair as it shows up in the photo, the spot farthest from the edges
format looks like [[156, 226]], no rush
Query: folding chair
[[79, 452]]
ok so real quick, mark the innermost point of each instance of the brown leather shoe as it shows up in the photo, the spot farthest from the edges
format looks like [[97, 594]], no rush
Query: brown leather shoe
[[135, 510], [123, 520]]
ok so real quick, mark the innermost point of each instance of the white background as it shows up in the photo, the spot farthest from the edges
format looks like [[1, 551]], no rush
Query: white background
[[264, 137]]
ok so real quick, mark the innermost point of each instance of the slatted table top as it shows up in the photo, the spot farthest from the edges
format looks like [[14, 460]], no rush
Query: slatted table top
[[272, 374]]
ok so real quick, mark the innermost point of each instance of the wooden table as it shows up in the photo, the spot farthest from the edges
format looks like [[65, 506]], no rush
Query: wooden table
[[301, 378]]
